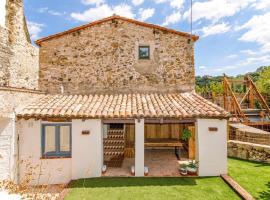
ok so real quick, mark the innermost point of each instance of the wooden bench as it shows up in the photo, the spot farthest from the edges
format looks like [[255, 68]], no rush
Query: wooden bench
[[165, 143]]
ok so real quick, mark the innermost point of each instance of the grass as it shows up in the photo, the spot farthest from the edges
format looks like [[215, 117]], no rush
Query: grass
[[253, 176], [151, 188]]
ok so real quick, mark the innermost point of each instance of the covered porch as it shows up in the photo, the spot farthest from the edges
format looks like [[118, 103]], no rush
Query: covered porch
[[158, 144]]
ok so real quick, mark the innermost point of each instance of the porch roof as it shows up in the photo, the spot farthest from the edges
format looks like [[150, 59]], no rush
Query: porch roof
[[135, 105]]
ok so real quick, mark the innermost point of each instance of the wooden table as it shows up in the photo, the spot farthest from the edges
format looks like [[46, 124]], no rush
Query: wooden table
[[165, 143]]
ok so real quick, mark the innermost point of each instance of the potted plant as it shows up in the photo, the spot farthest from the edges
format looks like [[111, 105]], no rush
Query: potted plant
[[192, 167], [186, 134], [183, 169]]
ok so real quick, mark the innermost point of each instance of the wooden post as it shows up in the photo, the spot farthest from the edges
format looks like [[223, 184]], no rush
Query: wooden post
[[191, 144]]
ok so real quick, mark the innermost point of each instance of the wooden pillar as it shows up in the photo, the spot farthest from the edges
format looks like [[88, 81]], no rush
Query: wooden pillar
[[139, 147], [191, 143]]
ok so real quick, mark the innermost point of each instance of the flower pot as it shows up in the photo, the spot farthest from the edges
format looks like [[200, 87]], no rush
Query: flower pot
[[191, 171], [183, 171]]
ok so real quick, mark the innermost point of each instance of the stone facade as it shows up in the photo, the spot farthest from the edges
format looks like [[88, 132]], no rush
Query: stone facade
[[249, 151], [19, 58], [104, 58]]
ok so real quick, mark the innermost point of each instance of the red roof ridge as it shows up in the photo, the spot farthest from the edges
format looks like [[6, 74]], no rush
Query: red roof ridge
[[39, 41]]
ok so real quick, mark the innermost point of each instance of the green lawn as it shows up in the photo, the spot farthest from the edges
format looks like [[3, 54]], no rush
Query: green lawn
[[151, 188], [253, 176]]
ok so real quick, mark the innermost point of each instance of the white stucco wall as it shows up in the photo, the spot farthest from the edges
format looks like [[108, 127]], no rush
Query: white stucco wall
[[86, 160], [211, 147], [139, 147], [87, 150], [3, 13], [46, 171], [8, 148]]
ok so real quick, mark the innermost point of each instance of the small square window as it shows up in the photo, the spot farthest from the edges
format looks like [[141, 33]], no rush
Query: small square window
[[144, 52], [56, 140]]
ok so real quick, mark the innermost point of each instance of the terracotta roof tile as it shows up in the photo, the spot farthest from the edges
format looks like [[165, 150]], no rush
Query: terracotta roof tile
[[154, 105]]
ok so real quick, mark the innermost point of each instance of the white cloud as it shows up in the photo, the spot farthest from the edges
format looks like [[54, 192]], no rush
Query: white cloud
[[258, 30], [248, 52], [232, 56], [34, 29], [92, 2], [216, 9], [262, 5], [202, 67], [137, 2], [103, 11], [160, 1], [43, 9], [255, 60], [215, 29], [177, 3], [224, 68], [146, 13], [172, 19], [51, 12]]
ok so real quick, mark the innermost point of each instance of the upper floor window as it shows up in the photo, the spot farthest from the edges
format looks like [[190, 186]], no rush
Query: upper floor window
[[56, 140], [144, 52]]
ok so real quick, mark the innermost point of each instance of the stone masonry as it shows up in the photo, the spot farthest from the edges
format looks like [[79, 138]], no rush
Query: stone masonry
[[19, 58], [249, 143], [18, 69], [104, 58], [249, 151], [241, 132]]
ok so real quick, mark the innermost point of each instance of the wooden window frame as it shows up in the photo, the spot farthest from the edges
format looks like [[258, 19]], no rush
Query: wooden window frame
[[57, 153], [144, 46]]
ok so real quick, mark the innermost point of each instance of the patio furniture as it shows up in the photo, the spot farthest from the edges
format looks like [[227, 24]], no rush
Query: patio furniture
[[165, 143]]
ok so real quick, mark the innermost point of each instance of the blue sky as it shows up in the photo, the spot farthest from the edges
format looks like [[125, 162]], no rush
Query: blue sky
[[234, 34]]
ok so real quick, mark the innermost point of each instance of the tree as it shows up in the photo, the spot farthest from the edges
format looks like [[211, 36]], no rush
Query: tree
[[263, 82]]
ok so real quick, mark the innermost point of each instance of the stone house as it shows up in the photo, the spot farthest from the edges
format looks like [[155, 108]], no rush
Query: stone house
[[119, 96]]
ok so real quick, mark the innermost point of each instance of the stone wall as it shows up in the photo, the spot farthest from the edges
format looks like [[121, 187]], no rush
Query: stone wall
[[245, 133], [104, 58], [5, 54], [12, 99], [20, 58], [249, 151]]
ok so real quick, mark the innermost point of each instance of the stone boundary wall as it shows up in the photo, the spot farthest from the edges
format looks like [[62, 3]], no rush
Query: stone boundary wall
[[249, 134], [249, 151]]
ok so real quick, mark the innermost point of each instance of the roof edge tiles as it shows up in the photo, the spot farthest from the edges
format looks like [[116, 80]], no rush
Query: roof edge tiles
[[38, 42], [123, 106]]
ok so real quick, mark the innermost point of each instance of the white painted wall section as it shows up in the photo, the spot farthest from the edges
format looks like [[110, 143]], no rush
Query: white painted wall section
[[87, 150], [3, 13], [45, 171], [211, 147], [139, 147]]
